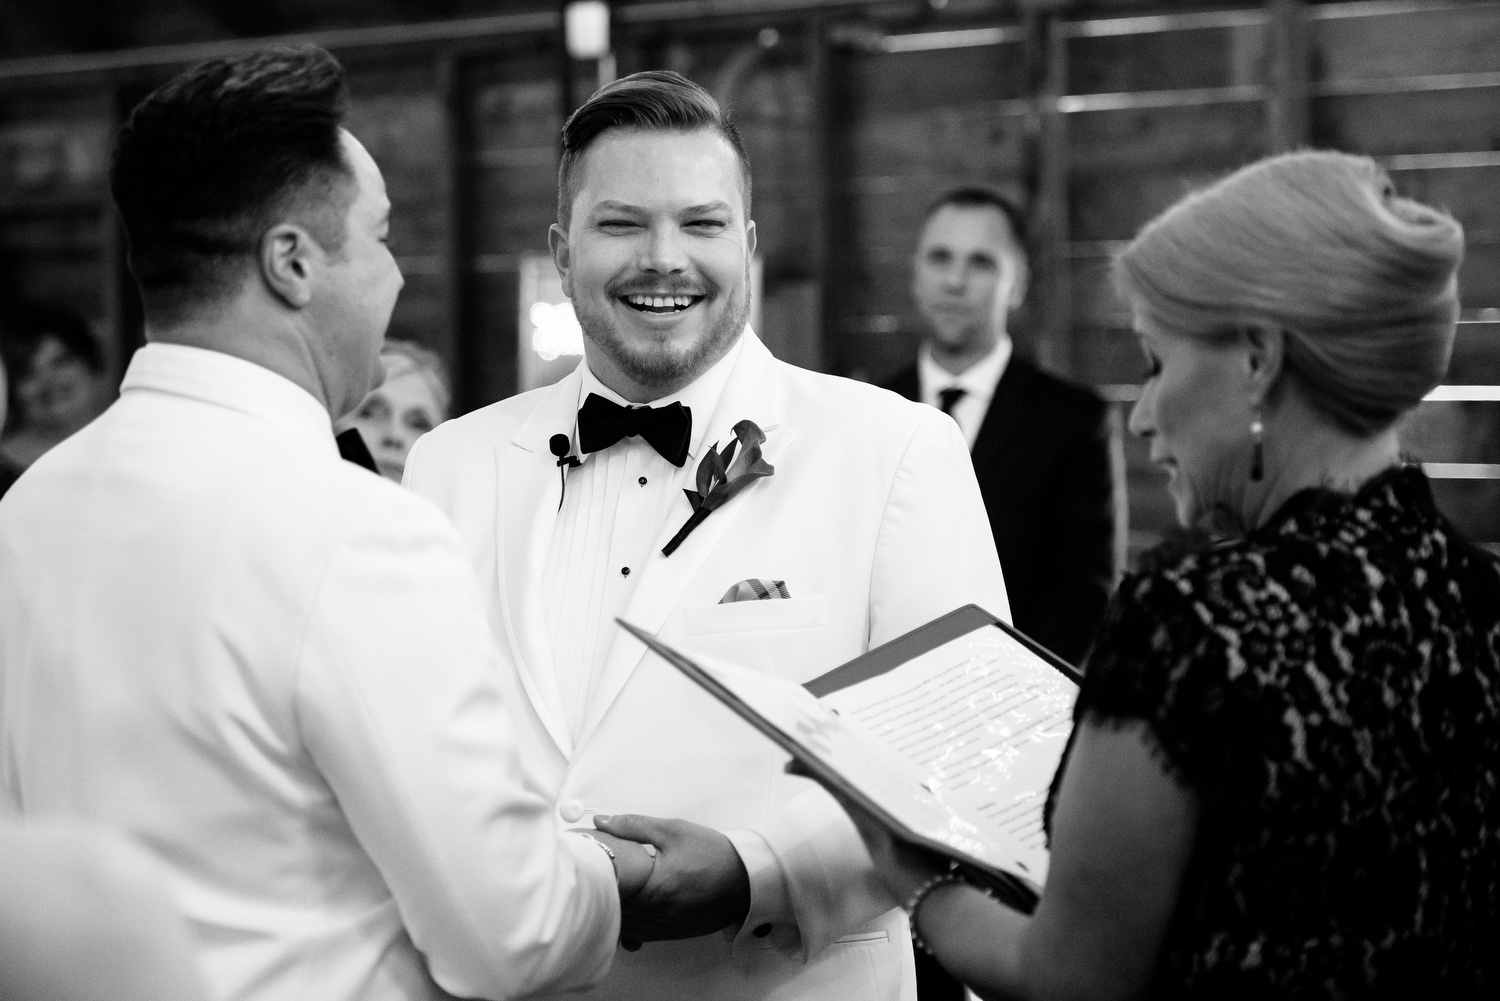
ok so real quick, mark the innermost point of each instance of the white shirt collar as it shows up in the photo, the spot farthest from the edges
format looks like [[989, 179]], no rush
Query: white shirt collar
[[978, 380], [215, 377], [701, 396]]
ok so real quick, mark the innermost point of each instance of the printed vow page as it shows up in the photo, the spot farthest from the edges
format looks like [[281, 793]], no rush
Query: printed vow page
[[954, 749], [984, 721]]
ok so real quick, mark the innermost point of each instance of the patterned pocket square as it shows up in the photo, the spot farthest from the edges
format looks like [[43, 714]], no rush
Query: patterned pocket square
[[755, 589]]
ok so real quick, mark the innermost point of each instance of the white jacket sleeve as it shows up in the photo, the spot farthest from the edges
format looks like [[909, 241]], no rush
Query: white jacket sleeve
[[399, 705], [935, 553]]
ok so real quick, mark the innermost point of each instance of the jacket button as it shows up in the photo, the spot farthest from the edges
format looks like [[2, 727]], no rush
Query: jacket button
[[571, 810], [761, 931]]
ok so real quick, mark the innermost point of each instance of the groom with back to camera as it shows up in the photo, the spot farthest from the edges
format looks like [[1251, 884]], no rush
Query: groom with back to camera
[[598, 497], [266, 666]]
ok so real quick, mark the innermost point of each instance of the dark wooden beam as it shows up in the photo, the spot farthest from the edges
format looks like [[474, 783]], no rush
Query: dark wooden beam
[[465, 34], [79, 25], [473, 34], [247, 20], [830, 350], [567, 87], [1047, 55], [458, 344], [1288, 112]]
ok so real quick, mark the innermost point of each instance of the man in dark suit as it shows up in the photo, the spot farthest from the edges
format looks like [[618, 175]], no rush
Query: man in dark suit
[[1040, 445]]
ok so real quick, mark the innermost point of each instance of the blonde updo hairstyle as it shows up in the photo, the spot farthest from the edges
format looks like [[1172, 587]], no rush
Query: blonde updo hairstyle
[[1319, 245]]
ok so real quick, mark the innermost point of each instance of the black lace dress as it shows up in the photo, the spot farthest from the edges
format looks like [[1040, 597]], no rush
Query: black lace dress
[[1329, 690]]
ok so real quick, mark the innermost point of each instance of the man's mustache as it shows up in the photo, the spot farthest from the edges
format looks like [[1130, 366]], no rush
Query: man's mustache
[[665, 285]]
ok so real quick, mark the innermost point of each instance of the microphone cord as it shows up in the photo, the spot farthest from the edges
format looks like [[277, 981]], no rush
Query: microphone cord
[[561, 445]]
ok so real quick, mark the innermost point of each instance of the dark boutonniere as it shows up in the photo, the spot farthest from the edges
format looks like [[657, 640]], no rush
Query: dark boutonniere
[[721, 476]]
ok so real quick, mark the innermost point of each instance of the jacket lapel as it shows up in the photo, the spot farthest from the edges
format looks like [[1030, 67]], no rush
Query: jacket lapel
[[1005, 416], [665, 578], [529, 491]]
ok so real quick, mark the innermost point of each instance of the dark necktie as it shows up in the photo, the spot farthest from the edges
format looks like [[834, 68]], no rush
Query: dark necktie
[[948, 398], [352, 448], [667, 429]]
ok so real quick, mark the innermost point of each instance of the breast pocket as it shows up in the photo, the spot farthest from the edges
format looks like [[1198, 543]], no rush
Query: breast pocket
[[770, 615]]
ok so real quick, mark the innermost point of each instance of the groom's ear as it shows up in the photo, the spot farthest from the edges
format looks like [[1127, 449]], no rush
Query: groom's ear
[[562, 257]]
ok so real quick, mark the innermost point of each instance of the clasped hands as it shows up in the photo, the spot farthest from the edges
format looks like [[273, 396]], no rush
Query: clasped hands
[[695, 885]]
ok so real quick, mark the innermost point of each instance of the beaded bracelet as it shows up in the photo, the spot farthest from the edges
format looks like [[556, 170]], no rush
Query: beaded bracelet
[[607, 849], [919, 895]]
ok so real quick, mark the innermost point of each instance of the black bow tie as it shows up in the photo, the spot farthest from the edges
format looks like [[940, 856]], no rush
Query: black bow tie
[[667, 429]]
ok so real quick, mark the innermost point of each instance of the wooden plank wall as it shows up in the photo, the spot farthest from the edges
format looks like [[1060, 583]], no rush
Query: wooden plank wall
[[854, 121], [1153, 107]]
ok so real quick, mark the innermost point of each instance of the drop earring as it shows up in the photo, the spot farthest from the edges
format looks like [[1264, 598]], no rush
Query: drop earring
[[1257, 449]]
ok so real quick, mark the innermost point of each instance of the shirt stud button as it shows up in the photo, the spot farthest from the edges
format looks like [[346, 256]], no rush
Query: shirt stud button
[[624, 571], [761, 931], [642, 481]]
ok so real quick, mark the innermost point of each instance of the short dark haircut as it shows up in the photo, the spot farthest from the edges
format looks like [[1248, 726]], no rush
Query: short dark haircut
[[217, 156], [976, 198], [659, 100]]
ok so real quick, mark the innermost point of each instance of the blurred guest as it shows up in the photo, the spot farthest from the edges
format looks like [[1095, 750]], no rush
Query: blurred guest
[[1040, 445], [1284, 779], [57, 371], [8, 471], [273, 670], [86, 917], [411, 401]]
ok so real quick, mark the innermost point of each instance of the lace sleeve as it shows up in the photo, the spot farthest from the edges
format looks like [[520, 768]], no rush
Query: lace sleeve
[[1166, 657]]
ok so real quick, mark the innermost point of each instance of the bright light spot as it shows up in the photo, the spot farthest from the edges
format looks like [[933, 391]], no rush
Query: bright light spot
[[555, 330], [586, 28]]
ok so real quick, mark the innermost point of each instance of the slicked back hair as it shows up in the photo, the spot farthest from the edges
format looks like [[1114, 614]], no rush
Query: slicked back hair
[[654, 100], [211, 160], [984, 198]]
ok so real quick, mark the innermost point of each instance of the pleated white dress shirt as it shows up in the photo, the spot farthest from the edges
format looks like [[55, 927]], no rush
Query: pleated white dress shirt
[[978, 382], [614, 508]]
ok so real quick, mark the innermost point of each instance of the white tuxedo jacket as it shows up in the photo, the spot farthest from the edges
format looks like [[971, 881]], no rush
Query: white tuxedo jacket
[[874, 521], [271, 669]]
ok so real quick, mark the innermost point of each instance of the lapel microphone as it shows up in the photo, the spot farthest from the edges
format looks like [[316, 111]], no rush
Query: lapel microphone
[[561, 445]]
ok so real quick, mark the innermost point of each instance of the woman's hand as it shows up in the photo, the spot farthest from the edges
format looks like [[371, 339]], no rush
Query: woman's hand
[[633, 862], [901, 867]]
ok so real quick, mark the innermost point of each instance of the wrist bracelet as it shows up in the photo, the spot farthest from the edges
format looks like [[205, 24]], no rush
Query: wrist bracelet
[[919, 896], [607, 849]]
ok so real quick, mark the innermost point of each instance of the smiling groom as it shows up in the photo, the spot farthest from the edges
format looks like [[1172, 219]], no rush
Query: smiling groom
[[838, 517]]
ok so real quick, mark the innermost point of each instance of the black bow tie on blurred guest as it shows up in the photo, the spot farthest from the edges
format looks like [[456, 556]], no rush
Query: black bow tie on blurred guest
[[667, 429]]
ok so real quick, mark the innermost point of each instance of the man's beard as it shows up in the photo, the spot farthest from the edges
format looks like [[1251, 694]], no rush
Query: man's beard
[[659, 364], [956, 339]]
